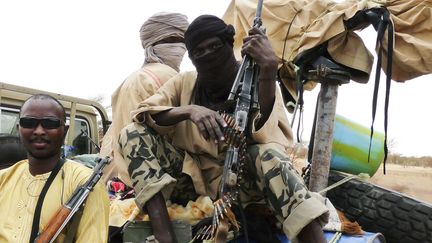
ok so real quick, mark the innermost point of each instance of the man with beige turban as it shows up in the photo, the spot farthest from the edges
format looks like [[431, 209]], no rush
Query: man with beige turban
[[162, 37]]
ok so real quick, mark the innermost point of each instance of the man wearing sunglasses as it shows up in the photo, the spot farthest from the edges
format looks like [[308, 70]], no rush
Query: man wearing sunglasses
[[42, 131]]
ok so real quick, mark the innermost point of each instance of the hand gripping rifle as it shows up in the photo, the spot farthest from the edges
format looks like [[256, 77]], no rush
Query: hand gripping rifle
[[75, 202], [244, 93]]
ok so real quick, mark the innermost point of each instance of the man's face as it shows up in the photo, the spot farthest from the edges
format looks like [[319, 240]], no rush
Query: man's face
[[41, 128], [208, 46]]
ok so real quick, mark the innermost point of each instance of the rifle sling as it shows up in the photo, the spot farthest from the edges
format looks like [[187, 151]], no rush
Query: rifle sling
[[38, 209]]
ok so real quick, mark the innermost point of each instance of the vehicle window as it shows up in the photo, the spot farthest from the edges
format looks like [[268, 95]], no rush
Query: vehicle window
[[81, 141], [8, 120]]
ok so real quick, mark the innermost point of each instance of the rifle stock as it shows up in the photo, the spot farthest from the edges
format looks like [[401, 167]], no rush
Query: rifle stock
[[53, 225]]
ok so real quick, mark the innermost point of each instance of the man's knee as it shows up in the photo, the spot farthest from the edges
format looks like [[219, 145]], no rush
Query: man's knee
[[268, 157], [135, 134], [275, 169]]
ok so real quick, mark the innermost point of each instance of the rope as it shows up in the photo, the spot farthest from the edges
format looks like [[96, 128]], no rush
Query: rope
[[361, 176], [335, 237]]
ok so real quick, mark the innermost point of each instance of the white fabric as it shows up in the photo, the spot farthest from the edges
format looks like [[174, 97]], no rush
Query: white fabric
[[158, 27], [170, 54]]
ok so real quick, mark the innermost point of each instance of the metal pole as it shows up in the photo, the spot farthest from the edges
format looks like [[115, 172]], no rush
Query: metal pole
[[321, 155]]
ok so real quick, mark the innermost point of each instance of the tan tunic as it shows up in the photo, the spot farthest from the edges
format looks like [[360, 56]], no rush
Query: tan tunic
[[136, 88], [204, 158]]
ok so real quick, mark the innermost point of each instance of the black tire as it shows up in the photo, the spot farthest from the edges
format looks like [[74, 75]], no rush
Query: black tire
[[398, 217], [11, 150]]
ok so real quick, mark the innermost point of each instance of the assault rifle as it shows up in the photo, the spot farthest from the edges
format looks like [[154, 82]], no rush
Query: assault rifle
[[75, 202], [244, 93], [245, 90]]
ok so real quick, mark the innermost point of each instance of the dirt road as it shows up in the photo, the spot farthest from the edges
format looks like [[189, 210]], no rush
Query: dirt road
[[410, 180], [413, 181]]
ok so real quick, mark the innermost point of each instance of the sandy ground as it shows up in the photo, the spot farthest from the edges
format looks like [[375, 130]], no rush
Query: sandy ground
[[410, 180], [413, 181]]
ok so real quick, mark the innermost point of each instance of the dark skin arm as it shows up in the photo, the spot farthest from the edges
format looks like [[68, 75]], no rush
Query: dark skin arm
[[209, 122], [258, 47], [312, 233], [159, 219]]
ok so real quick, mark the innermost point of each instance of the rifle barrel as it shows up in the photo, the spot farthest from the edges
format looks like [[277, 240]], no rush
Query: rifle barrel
[[257, 21]]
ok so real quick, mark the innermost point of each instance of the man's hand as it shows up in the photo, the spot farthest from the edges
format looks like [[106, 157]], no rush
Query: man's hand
[[209, 122], [258, 47]]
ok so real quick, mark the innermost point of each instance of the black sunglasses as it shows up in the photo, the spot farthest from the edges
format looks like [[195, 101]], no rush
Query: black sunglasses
[[47, 122]]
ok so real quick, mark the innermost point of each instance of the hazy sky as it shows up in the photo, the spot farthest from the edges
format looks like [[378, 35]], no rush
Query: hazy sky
[[86, 48]]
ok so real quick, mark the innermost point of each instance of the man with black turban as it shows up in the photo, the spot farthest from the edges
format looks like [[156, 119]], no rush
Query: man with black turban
[[162, 37], [187, 107]]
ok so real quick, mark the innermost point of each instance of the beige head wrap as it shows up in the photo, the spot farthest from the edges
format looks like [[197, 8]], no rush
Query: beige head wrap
[[158, 27]]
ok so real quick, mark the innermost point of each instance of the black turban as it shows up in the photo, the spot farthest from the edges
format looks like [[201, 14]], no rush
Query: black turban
[[207, 26]]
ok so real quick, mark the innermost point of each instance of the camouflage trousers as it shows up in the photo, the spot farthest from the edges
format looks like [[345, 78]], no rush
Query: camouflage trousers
[[269, 177]]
